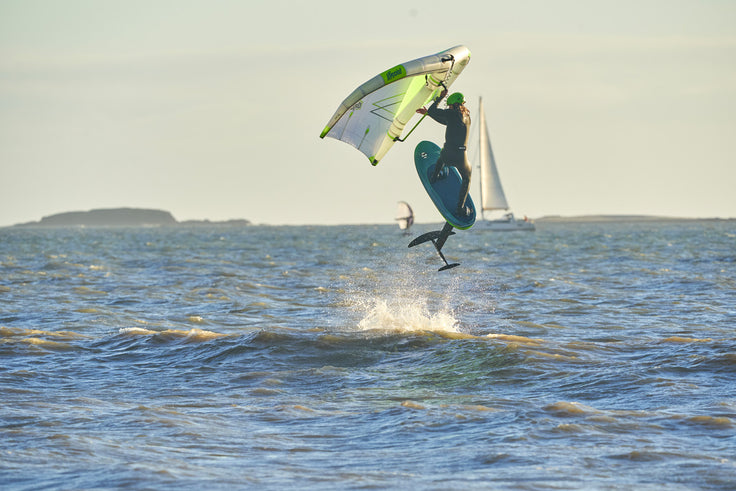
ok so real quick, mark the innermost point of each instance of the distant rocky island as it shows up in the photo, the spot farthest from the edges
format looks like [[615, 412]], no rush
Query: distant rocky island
[[619, 218], [122, 217]]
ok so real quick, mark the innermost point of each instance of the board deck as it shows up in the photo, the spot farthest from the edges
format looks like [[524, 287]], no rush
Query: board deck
[[444, 191]]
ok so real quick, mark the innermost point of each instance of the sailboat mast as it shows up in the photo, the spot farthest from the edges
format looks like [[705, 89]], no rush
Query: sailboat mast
[[481, 124]]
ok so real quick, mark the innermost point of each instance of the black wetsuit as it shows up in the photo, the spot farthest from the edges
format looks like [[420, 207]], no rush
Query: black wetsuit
[[454, 151]]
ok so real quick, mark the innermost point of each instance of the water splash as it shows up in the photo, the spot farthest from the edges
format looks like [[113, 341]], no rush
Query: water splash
[[397, 315], [407, 301]]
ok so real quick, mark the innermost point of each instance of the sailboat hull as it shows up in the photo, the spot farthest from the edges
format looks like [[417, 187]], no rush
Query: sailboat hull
[[508, 223], [505, 226]]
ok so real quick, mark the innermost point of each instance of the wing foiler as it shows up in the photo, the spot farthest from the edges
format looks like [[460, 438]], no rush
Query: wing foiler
[[373, 117]]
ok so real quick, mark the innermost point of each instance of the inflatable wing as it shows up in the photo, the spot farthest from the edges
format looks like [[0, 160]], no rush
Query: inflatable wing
[[373, 117]]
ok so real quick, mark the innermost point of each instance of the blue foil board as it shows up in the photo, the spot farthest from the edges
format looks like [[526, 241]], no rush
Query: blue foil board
[[444, 191]]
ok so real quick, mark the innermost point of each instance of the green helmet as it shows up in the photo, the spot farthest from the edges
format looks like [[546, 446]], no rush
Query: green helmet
[[456, 98]]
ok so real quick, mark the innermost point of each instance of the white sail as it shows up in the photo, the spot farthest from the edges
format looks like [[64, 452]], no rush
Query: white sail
[[374, 115], [491, 191], [492, 196], [404, 215]]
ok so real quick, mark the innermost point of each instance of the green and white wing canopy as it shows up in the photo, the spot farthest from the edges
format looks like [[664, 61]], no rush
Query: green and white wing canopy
[[374, 116]]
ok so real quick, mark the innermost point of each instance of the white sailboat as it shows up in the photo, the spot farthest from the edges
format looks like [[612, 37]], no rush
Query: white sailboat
[[404, 215], [492, 197]]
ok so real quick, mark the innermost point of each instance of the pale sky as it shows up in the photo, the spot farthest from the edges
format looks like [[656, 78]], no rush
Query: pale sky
[[213, 108]]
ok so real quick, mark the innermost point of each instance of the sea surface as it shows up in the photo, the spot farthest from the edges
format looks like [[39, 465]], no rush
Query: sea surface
[[581, 356]]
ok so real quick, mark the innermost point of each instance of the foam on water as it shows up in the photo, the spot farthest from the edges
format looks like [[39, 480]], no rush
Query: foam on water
[[401, 317]]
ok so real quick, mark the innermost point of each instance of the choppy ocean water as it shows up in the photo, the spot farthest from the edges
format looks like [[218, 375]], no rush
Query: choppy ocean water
[[582, 356]]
